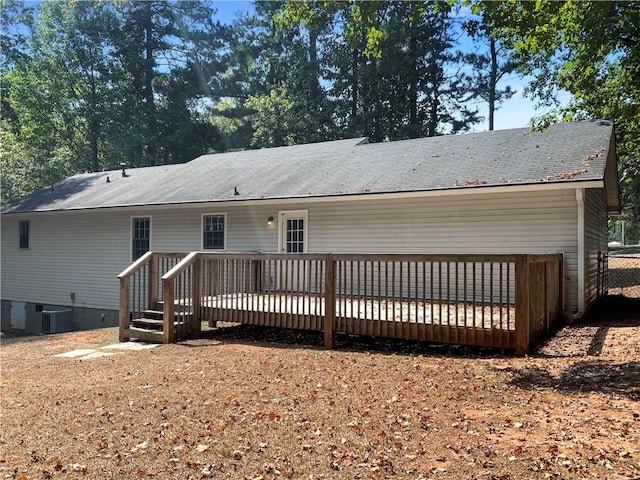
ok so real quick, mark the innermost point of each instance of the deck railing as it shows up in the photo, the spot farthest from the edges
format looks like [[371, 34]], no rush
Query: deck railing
[[140, 288], [504, 301]]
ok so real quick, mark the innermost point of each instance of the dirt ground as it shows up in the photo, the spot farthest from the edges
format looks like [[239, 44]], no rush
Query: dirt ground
[[268, 404]]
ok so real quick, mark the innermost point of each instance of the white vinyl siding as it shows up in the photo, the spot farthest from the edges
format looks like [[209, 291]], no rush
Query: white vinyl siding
[[596, 236], [83, 252], [79, 253]]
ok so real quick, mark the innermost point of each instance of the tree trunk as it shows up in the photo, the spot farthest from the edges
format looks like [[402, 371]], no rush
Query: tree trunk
[[493, 80], [355, 84], [314, 74], [147, 86], [413, 86]]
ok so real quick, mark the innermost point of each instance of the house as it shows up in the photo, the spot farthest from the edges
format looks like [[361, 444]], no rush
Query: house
[[511, 191]]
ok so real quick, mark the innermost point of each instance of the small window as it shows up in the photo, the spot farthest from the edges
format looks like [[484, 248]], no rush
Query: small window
[[24, 234], [213, 232], [141, 236]]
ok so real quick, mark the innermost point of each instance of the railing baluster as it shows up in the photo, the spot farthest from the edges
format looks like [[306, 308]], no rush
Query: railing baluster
[[464, 307], [501, 300], [474, 295]]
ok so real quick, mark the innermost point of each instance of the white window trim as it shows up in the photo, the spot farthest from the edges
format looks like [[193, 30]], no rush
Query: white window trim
[[304, 214], [131, 233], [226, 227]]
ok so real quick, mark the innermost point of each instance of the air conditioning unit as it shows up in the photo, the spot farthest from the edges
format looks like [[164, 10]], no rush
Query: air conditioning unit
[[57, 321]]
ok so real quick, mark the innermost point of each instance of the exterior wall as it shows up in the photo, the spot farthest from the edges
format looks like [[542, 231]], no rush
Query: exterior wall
[[595, 240], [81, 318], [74, 258]]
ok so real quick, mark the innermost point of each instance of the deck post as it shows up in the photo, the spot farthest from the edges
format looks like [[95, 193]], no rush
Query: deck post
[[154, 289], [154, 279], [330, 303], [560, 311], [124, 308], [168, 311], [549, 266], [195, 299], [523, 329], [256, 276], [214, 270]]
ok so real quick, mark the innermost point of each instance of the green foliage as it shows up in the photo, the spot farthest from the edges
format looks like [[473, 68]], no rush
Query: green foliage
[[624, 230], [592, 50], [88, 84], [392, 67], [279, 119]]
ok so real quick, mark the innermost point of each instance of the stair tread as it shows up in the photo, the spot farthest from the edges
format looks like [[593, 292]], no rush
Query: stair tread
[[152, 336], [153, 321], [140, 323], [138, 329]]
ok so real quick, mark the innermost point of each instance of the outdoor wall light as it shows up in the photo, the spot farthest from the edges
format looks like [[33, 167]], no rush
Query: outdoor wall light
[[270, 221]]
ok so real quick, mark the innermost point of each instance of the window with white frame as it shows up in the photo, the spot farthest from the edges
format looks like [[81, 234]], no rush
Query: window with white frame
[[213, 232], [140, 236]]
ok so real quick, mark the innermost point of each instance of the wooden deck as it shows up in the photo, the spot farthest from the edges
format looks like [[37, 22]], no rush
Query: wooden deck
[[502, 301]]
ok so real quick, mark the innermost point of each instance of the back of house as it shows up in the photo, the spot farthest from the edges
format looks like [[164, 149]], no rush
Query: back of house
[[501, 192]]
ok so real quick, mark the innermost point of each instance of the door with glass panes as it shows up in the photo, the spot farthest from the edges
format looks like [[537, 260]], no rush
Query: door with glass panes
[[293, 239]]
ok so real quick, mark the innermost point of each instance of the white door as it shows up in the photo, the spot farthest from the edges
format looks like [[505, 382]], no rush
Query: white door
[[292, 239]]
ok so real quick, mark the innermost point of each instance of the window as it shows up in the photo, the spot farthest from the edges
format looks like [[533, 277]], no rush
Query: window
[[24, 234], [141, 236], [213, 231], [295, 235]]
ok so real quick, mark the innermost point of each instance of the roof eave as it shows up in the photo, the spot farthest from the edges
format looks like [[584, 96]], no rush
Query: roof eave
[[351, 196]]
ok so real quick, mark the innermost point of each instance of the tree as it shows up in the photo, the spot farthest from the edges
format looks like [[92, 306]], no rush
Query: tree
[[395, 73], [279, 118], [491, 67], [157, 43], [276, 78], [56, 96], [592, 50]]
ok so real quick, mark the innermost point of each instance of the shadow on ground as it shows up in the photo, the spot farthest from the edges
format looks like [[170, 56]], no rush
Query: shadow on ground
[[18, 336], [273, 337], [583, 376], [587, 336], [591, 366]]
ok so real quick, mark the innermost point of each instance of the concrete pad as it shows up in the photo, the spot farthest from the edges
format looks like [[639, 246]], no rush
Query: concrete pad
[[76, 353], [130, 346], [96, 355]]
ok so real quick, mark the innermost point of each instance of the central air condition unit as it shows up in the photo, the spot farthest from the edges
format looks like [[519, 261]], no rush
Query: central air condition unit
[[57, 321]]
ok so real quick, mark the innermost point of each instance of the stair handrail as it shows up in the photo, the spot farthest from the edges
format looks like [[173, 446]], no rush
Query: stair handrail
[[125, 282], [168, 295], [181, 266], [137, 265]]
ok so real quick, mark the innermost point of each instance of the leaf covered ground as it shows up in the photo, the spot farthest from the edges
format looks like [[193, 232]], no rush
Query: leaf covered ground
[[270, 404]]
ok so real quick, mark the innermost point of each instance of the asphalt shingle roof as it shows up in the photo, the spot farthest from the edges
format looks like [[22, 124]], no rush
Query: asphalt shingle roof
[[569, 152]]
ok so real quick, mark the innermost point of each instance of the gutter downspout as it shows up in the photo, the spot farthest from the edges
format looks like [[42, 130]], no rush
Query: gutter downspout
[[581, 253]]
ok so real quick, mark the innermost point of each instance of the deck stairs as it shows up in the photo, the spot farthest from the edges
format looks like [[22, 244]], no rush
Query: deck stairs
[[148, 328]]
